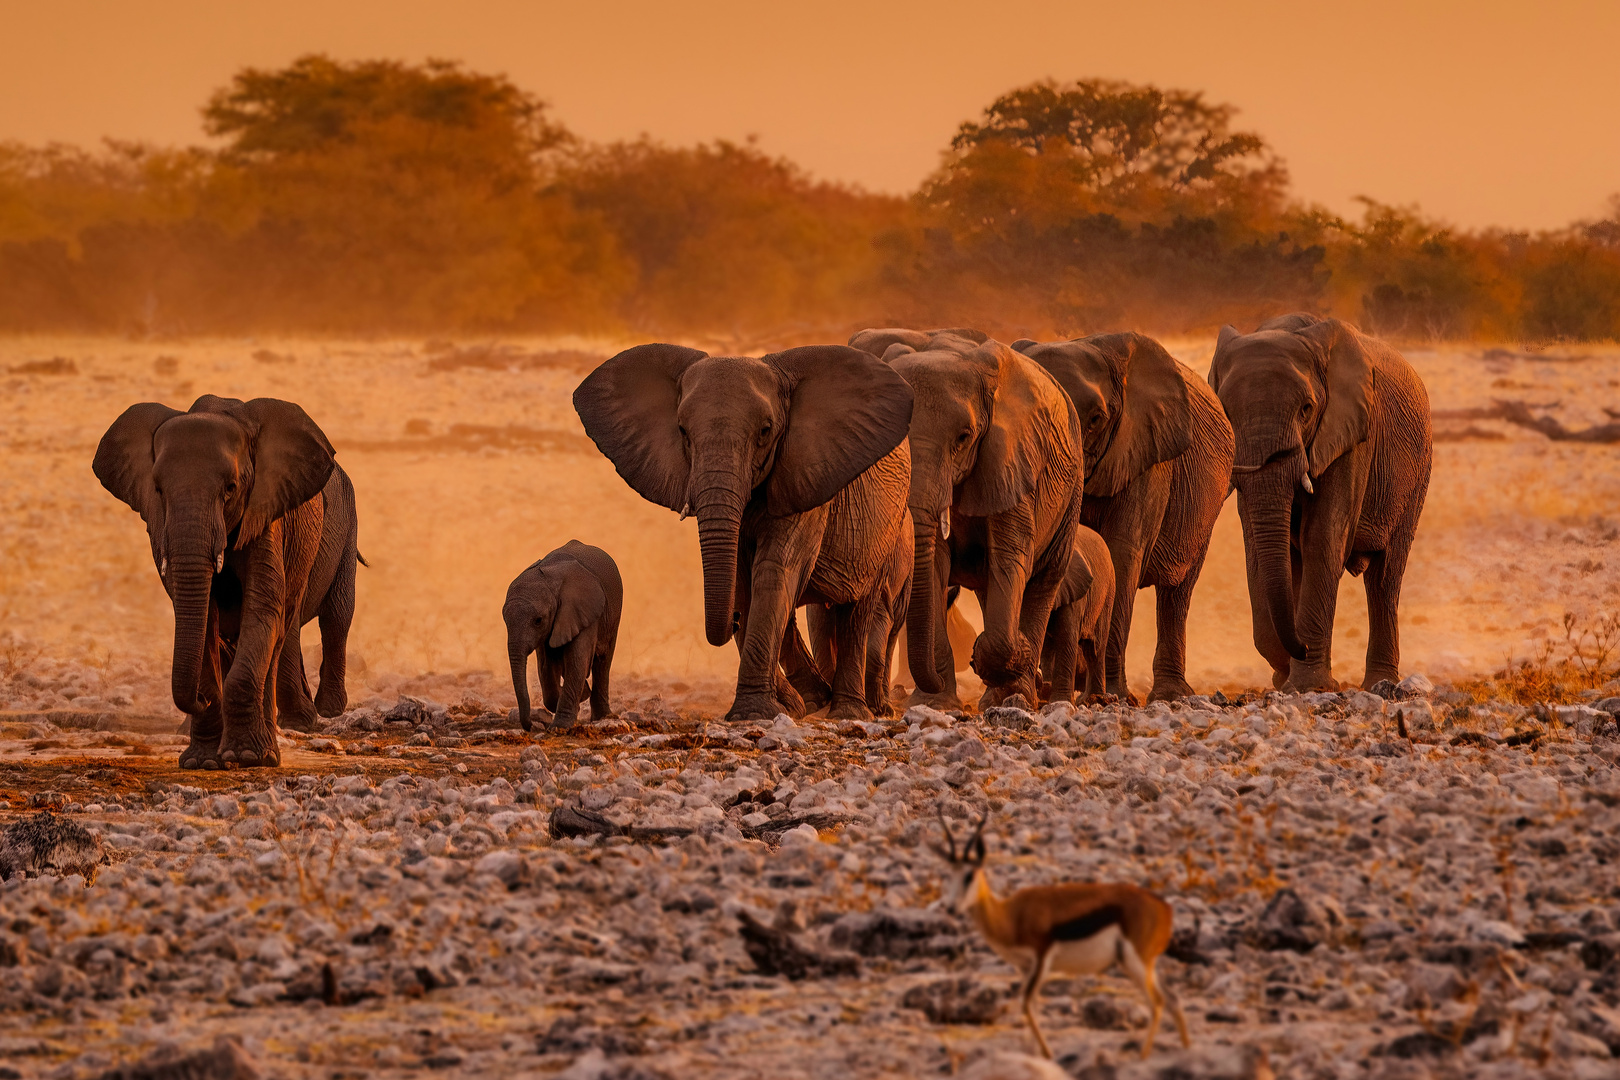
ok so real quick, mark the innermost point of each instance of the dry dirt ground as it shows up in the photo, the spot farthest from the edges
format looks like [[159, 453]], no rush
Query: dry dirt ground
[[1358, 893]]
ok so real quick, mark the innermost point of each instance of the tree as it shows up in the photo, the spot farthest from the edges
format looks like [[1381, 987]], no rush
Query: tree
[[1117, 130]]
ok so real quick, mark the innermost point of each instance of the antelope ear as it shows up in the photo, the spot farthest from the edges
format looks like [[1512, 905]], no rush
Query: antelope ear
[[628, 408], [580, 602], [1349, 375], [292, 461], [1155, 422], [847, 411], [124, 458], [1027, 412], [877, 341]]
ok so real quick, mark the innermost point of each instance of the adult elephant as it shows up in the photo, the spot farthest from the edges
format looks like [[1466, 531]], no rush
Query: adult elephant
[[1158, 467], [1334, 451], [995, 501], [797, 469], [253, 531]]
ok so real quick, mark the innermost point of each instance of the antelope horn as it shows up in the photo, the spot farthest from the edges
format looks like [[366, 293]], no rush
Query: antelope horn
[[978, 830], [949, 838]]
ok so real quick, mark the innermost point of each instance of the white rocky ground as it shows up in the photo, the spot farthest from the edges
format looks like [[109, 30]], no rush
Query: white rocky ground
[[1349, 902]]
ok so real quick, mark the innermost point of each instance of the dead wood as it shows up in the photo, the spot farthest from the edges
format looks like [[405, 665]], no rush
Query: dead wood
[[1519, 414], [777, 952]]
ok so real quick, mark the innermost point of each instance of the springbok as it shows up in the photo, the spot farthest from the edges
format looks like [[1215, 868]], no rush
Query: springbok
[[1075, 928]]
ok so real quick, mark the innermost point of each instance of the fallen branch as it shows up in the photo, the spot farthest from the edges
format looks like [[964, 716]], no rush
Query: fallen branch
[[1518, 413]]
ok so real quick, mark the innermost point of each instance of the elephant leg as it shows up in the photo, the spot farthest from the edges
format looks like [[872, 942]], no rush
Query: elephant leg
[[550, 677], [1064, 634], [1171, 604], [296, 709], [601, 668], [250, 735], [803, 666], [879, 641], [819, 622], [1382, 578], [1320, 564], [208, 726], [1092, 655], [852, 625], [575, 665], [1039, 597], [780, 568], [336, 615], [1127, 557]]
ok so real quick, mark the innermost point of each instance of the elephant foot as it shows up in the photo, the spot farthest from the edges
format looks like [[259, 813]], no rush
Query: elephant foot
[[1170, 688], [564, 719], [1307, 677], [849, 710], [1279, 678], [331, 701], [307, 722], [944, 701], [881, 710], [754, 707], [201, 754], [1379, 673], [251, 747], [604, 713]]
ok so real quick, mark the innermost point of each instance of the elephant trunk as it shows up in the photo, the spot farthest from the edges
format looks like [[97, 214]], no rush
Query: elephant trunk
[[1269, 493], [190, 580], [718, 500], [520, 681], [924, 609]]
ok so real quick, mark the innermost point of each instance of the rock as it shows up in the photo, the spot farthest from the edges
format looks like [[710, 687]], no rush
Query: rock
[[1297, 922], [1008, 1065], [1143, 788], [408, 711], [506, 866], [963, 1000], [47, 844], [226, 1060], [1104, 1013], [1415, 685], [1009, 716], [899, 934], [1610, 705], [778, 952], [1387, 690]]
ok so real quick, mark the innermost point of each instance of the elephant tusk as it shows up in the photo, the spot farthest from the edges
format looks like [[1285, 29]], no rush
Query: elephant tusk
[[219, 563], [686, 511], [1305, 482], [1247, 468], [945, 524], [163, 567]]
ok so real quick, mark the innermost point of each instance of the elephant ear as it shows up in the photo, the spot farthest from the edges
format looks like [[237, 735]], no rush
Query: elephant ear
[[1155, 423], [628, 408], [1029, 416], [1217, 367], [1346, 368], [124, 459], [877, 341], [292, 461], [847, 411], [1080, 575], [580, 601]]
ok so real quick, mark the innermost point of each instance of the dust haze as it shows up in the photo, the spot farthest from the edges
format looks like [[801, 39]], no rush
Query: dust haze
[[469, 463]]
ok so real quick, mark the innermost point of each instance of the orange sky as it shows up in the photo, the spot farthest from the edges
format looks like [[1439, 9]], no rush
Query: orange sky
[[1483, 112]]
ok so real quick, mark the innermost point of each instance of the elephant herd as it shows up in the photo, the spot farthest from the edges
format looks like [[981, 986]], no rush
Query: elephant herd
[[868, 483]]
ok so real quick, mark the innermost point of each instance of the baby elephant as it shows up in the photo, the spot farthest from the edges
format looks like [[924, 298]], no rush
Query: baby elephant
[[1080, 619], [565, 608]]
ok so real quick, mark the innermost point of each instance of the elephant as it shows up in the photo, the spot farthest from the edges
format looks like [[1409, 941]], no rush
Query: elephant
[[254, 532], [565, 608], [796, 466], [1334, 451], [995, 499], [809, 671], [1081, 620], [1158, 468]]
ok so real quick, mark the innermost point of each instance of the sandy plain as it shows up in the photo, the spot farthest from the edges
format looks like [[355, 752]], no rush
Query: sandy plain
[[1455, 889]]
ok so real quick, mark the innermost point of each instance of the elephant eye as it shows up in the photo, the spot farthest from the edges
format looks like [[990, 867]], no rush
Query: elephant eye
[[963, 439], [765, 430], [230, 486]]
